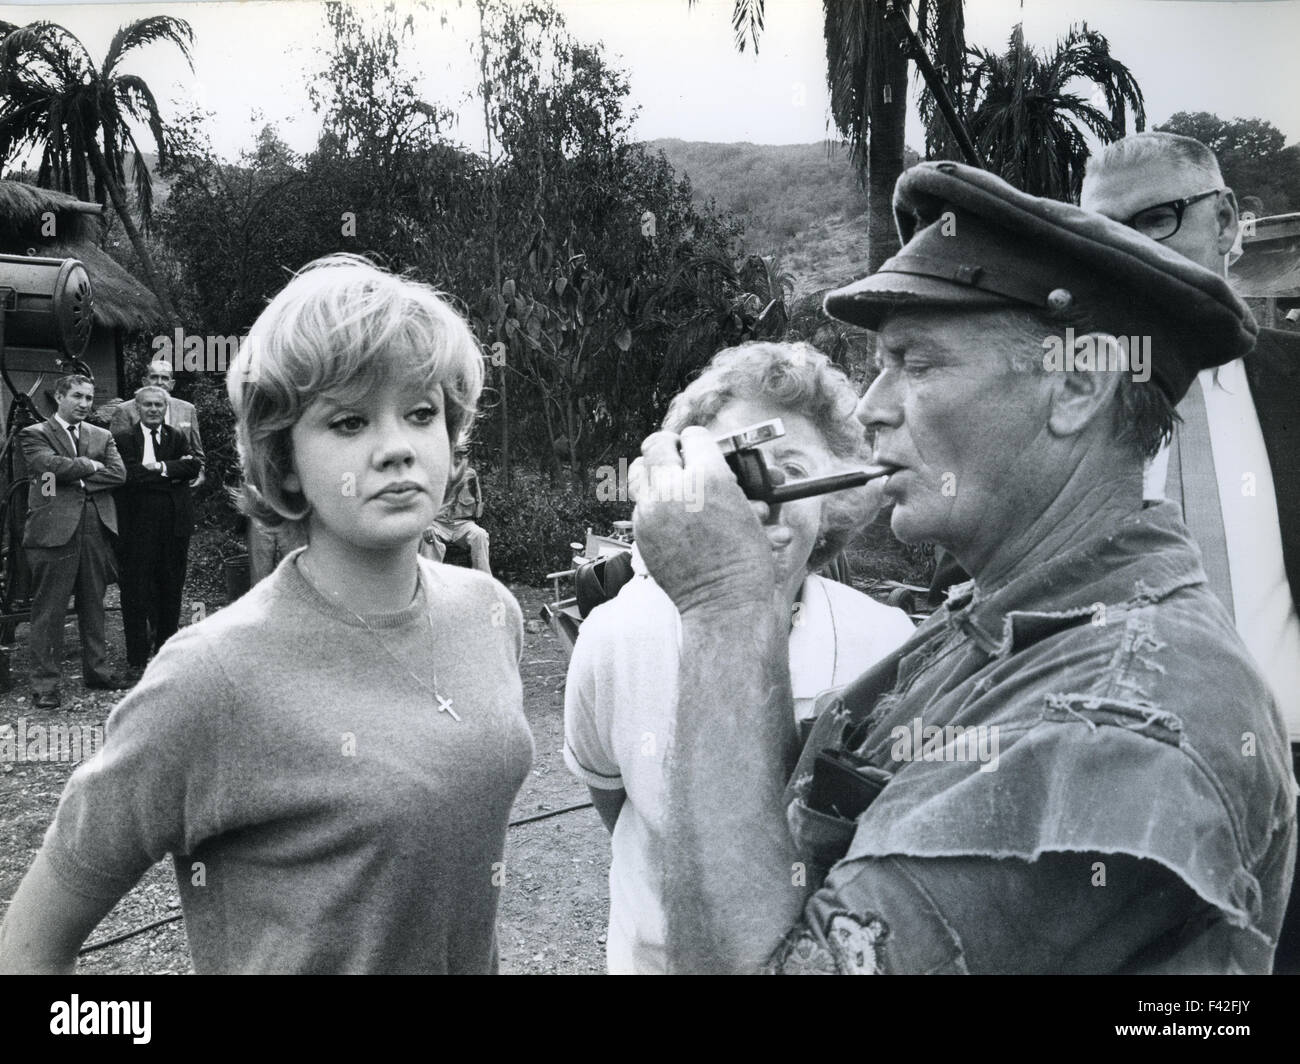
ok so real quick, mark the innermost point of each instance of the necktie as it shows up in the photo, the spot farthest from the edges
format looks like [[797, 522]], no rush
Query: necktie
[[1193, 483], [154, 433], [75, 432]]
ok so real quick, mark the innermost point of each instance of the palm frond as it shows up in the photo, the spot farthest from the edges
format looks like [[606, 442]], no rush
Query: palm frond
[[146, 31], [143, 188], [747, 19], [856, 39], [47, 42], [22, 124], [137, 99], [1029, 124]]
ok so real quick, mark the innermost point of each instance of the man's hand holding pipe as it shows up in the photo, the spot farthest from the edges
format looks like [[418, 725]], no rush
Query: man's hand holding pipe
[[730, 892], [700, 537]]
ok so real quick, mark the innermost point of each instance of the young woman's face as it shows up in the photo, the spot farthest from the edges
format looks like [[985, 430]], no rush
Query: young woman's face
[[374, 469]]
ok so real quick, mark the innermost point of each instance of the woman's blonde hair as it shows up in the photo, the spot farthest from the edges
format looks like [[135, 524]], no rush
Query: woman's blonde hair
[[794, 378], [342, 326]]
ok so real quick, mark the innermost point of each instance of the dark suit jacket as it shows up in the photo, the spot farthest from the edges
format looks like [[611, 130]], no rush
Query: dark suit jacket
[[175, 452], [54, 506], [1273, 370], [180, 415]]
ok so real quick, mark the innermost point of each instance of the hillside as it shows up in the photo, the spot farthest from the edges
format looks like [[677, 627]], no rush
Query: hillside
[[801, 202]]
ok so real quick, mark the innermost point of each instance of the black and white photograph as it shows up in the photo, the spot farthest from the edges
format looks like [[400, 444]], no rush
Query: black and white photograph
[[570, 487]]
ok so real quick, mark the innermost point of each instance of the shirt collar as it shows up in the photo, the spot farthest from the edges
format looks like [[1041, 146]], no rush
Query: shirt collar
[[67, 427], [812, 642], [638, 563], [1133, 563], [1230, 377]]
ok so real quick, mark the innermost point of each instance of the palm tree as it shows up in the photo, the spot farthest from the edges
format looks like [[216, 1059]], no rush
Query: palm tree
[[866, 71], [55, 98], [1026, 123], [766, 288]]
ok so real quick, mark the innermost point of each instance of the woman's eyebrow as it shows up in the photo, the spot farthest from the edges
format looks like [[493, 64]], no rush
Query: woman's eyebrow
[[789, 450], [330, 405]]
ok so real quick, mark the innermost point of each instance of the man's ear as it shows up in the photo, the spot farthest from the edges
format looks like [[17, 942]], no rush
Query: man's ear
[[1085, 392], [1226, 217]]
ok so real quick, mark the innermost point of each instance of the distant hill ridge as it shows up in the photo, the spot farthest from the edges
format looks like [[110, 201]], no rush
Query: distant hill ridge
[[801, 202]]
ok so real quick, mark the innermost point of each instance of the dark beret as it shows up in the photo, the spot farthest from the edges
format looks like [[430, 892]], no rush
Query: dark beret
[[970, 239]]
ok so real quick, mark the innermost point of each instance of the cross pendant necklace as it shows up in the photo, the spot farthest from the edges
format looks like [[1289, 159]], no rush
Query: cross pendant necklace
[[444, 704]]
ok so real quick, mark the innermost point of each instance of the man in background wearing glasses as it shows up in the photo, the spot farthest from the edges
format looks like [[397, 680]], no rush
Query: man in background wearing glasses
[[1234, 460]]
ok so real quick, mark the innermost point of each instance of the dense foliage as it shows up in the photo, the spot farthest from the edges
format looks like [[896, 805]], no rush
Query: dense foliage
[[594, 281], [1253, 156]]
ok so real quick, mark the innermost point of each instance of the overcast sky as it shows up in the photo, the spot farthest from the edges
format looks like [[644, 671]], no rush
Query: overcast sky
[[252, 59]]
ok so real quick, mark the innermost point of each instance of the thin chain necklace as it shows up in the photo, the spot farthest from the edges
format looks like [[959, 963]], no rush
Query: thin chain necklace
[[444, 704]]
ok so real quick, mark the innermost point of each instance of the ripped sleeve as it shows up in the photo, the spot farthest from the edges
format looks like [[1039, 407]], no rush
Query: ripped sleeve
[[1065, 912]]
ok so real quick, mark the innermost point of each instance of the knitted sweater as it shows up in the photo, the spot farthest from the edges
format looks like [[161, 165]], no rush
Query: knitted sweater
[[323, 814]]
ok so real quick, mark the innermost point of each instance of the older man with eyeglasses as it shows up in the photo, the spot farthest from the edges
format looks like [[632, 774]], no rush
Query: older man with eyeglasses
[[1234, 459]]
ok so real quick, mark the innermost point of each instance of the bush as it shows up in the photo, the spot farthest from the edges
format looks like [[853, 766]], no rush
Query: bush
[[213, 506], [875, 555], [532, 523], [206, 578]]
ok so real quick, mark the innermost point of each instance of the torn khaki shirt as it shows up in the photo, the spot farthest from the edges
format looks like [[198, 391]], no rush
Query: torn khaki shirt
[[1085, 772]]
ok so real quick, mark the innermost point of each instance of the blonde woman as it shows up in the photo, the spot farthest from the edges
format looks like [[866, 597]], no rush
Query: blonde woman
[[331, 760]]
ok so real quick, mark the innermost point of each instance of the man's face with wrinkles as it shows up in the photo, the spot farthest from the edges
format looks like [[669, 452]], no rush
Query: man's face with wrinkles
[[959, 424]]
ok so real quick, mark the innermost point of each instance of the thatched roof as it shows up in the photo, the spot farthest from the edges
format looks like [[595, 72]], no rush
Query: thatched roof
[[120, 301], [23, 208]]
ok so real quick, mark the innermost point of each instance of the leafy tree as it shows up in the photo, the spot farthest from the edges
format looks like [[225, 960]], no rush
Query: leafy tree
[[1252, 154], [1232, 140], [1028, 124], [511, 42], [588, 226], [78, 114], [378, 152], [584, 228], [371, 108], [235, 229]]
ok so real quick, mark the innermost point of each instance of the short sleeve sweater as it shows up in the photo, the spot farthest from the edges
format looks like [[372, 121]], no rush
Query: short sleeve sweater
[[323, 814]]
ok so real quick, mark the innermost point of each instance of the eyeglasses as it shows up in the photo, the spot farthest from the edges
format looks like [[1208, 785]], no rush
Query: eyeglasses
[[1165, 219]]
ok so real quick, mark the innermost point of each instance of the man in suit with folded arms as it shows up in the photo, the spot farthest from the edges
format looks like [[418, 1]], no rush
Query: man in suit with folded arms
[[157, 517], [71, 519], [179, 414], [1233, 463]]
